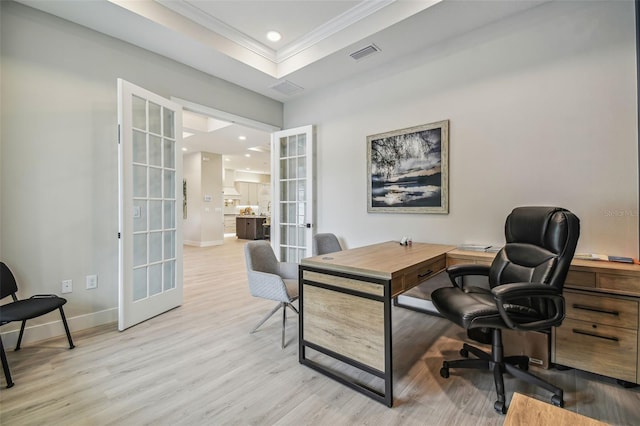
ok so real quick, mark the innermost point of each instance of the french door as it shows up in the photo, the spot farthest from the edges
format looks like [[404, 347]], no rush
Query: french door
[[150, 197], [293, 183]]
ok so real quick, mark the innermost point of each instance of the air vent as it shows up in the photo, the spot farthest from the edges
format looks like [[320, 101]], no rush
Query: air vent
[[364, 52], [286, 88]]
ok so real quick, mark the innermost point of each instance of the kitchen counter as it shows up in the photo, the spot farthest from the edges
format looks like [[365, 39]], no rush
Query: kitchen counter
[[249, 227]]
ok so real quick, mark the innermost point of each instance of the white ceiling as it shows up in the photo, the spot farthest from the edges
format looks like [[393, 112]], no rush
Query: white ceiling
[[227, 39]]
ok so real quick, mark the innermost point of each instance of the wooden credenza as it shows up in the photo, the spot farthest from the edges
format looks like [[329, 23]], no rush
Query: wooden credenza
[[600, 331]]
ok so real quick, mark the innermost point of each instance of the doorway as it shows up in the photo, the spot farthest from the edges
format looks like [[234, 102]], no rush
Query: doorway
[[227, 167]]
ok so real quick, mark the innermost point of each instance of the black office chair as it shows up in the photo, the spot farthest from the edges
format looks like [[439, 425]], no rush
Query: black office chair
[[22, 310], [526, 280]]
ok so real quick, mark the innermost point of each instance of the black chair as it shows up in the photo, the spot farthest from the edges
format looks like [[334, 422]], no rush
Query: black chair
[[525, 293], [22, 310]]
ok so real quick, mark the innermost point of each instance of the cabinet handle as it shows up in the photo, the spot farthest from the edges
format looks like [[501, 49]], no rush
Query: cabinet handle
[[592, 309], [599, 336], [426, 274]]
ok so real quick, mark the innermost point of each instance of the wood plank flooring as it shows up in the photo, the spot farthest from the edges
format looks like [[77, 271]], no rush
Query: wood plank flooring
[[198, 365]]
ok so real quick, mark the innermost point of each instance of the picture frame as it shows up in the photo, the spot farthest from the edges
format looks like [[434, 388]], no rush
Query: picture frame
[[408, 170]]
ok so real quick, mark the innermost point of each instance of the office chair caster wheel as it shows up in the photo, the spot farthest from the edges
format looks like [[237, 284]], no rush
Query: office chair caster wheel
[[500, 407], [444, 371], [557, 401], [464, 353]]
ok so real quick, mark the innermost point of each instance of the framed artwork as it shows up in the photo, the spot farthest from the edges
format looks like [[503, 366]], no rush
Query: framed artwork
[[408, 170]]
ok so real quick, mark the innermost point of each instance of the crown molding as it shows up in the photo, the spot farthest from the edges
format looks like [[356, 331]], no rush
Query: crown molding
[[331, 27]]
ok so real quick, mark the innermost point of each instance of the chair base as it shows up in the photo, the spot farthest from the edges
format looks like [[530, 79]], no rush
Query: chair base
[[284, 306], [517, 366]]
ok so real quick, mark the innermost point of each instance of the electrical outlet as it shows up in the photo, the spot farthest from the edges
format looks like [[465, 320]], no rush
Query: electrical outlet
[[67, 286], [92, 282]]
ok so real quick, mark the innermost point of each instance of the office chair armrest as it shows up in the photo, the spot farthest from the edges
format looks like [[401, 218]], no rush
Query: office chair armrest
[[505, 293], [459, 271], [288, 270], [43, 296]]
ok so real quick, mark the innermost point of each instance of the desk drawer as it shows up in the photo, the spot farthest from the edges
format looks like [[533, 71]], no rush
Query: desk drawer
[[602, 310], [601, 349], [417, 275]]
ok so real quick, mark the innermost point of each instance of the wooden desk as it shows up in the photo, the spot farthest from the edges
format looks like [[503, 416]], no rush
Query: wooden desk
[[345, 307], [525, 411]]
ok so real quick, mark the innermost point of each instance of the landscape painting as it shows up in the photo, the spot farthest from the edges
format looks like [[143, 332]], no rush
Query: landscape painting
[[408, 170]]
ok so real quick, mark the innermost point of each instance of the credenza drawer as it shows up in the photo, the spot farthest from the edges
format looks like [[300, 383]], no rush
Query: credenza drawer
[[601, 349], [601, 309], [619, 282], [580, 279]]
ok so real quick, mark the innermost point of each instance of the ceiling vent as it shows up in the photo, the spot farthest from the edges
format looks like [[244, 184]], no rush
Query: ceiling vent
[[286, 88], [364, 52]]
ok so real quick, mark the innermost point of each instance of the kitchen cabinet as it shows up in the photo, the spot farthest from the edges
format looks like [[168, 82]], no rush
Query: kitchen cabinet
[[229, 223], [249, 193]]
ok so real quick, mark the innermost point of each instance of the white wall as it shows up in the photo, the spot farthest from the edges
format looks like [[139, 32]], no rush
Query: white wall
[[542, 110], [59, 153]]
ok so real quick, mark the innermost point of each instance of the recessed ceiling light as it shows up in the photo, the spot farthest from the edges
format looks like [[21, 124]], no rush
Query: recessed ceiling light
[[247, 155], [274, 36], [184, 149], [242, 138], [227, 159]]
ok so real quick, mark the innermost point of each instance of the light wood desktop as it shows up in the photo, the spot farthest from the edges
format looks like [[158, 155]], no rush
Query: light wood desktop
[[345, 306]]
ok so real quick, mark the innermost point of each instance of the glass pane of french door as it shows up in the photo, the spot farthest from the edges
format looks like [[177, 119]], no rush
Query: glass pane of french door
[[154, 197]]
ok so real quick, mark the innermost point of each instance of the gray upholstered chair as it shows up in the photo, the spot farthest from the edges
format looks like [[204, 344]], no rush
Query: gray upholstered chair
[[271, 279], [325, 243]]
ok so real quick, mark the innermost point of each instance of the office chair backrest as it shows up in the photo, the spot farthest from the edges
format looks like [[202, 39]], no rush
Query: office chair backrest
[[260, 257], [324, 243], [8, 285], [540, 243]]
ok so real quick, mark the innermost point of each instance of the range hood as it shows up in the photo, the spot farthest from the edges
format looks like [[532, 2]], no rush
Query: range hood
[[230, 192]]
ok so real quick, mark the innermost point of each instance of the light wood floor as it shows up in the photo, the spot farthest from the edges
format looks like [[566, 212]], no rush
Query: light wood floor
[[198, 365]]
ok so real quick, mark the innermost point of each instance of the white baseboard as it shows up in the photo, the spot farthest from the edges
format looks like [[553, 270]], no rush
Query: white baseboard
[[55, 328], [203, 243]]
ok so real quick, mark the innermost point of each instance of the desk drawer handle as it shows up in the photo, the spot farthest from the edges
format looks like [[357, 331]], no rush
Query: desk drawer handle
[[592, 309], [426, 274], [599, 336]]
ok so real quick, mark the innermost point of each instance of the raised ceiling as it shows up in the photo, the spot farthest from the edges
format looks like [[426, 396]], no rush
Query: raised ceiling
[[226, 39]]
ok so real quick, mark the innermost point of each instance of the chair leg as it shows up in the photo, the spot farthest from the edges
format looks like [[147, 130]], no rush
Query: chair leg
[[5, 366], [20, 335], [284, 321], [273, 311], [66, 328]]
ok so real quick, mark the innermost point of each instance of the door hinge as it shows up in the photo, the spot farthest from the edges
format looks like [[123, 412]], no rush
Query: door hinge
[[118, 134]]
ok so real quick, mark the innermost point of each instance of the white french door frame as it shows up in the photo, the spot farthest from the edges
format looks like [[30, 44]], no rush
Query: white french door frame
[[293, 184]]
